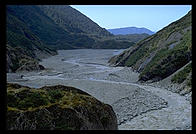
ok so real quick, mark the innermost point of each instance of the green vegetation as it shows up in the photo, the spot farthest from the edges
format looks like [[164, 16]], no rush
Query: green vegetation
[[129, 37], [182, 75], [22, 43], [112, 44], [55, 95], [77, 23], [44, 29], [166, 62], [55, 108], [189, 80], [24, 98], [153, 56], [142, 51], [53, 26]]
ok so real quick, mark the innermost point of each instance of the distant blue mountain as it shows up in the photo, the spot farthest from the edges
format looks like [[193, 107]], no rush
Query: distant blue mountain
[[130, 30]]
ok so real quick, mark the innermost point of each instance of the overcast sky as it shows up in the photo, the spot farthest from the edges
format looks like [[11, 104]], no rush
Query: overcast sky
[[153, 17]]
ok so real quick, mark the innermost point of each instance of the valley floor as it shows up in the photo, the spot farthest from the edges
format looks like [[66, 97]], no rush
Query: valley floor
[[136, 105]]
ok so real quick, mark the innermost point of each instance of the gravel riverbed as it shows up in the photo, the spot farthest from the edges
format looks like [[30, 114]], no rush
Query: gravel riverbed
[[137, 106]]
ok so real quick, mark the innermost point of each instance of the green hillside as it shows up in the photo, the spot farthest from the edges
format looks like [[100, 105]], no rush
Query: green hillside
[[22, 44], [43, 27], [72, 20], [56, 108], [158, 56], [40, 30]]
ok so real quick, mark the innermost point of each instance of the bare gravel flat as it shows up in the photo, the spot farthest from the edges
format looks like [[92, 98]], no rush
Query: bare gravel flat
[[137, 106]]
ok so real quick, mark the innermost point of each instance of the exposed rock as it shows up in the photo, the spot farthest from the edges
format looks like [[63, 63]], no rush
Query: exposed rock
[[160, 55], [18, 60], [146, 62], [9, 64], [56, 108], [30, 66]]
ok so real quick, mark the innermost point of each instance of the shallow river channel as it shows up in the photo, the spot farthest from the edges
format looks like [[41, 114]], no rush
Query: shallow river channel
[[137, 106]]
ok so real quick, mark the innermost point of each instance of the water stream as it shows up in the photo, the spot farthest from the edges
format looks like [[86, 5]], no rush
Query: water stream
[[137, 106]]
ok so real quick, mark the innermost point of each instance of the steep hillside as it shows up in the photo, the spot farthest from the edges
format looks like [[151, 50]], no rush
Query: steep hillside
[[56, 108], [45, 28], [72, 20], [130, 30], [160, 55], [60, 27], [22, 44], [85, 32], [179, 82], [183, 79], [41, 30], [18, 60]]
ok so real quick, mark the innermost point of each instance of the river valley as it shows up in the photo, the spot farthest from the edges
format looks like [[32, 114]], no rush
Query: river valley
[[137, 106]]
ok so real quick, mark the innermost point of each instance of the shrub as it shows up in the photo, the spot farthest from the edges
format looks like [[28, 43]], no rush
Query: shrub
[[55, 95], [29, 99], [12, 100], [182, 75]]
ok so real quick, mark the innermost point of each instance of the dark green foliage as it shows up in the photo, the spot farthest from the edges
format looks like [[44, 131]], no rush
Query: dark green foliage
[[56, 108], [137, 55], [55, 95], [189, 81], [13, 86], [19, 34], [21, 41], [182, 75], [60, 29], [37, 22], [27, 98], [48, 28], [18, 40], [131, 37], [113, 44], [31, 99], [166, 62], [154, 58], [12, 100], [45, 29], [72, 20]]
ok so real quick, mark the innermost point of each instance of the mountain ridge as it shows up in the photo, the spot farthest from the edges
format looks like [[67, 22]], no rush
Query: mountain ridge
[[130, 30], [60, 14], [41, 30], [159, 55]]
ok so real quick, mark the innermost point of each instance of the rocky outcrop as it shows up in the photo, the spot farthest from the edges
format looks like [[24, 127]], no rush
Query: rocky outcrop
[[30, 66], [20, 60], [56, 108]]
